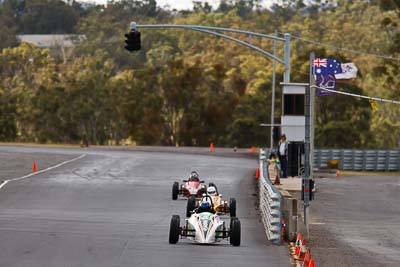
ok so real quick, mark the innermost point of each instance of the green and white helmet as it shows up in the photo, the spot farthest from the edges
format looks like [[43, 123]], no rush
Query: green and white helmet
[[211, 190]]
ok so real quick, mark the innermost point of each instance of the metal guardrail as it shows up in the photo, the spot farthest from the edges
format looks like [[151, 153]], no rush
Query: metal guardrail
[[359, 160], [270, 204]]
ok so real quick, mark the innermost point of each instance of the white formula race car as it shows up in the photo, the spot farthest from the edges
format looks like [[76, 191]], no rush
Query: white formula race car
[[205, 228]]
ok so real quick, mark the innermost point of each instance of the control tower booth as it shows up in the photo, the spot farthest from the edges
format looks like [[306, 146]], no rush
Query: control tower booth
[[293, 124]]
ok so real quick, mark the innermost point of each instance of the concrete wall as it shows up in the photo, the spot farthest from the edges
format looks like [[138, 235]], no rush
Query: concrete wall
[[289, 209]]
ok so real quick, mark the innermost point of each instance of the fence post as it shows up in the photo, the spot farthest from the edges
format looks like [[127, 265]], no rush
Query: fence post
[[398, 160], [364, 160], [387, 160], [341, 161]]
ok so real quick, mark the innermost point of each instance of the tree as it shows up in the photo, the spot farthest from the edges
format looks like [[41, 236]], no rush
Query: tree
[[142, 106], [245, 129], [47, 17], [343, 121], [8, 24], [185, 87], [8, 126], [199, 6], [17, 72]]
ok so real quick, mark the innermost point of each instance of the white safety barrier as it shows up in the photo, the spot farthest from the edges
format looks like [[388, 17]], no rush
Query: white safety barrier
[[270, 204]]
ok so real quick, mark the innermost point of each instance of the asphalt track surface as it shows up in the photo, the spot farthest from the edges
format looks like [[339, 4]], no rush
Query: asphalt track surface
[[355, 221], [113, 208]]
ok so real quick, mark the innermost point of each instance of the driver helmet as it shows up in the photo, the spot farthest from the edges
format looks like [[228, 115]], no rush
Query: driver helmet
[[205, 205], [194, 176], [211, 191]]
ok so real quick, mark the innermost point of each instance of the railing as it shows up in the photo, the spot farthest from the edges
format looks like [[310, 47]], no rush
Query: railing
[[270, 205], [360, 160]]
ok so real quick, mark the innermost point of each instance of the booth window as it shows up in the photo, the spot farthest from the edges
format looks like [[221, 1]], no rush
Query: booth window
[[294, 104]]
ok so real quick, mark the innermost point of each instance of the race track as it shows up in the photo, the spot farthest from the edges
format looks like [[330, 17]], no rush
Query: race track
[[113, 208]]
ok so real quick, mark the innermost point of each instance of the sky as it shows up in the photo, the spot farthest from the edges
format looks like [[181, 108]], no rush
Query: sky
[[175, 4]]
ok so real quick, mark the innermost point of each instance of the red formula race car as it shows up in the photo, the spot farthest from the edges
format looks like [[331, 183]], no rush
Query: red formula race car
[[191, 187]]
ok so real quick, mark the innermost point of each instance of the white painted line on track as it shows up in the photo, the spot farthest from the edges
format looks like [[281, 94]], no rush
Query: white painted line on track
[[3, 183], [41, 171], [317, 223]]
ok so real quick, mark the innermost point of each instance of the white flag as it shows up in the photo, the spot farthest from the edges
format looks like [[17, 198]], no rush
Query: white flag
[[349, 71]]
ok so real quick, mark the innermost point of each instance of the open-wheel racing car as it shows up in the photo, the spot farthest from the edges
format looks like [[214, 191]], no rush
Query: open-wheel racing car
[[191, 187], [205, 228], [217, 203]]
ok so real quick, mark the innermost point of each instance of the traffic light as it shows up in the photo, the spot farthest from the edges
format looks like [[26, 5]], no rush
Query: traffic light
[[311, 187], [132, 41]]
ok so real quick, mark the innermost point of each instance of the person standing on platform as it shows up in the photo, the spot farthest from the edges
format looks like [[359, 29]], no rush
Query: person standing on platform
[[283, 155]]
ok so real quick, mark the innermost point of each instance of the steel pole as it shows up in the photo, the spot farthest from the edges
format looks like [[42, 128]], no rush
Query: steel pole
[[273, 95], [306, 177], [312, 126], [190, 26], [286, 56], [209, 30]]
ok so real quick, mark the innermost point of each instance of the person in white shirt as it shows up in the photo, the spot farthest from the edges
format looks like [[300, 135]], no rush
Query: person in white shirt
[[283, 155]]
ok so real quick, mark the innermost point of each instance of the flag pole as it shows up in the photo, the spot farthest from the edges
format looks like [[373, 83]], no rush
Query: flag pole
[[312, 124]]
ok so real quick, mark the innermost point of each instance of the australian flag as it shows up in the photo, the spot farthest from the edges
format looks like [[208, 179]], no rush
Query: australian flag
[[327, 81], [325, 66]]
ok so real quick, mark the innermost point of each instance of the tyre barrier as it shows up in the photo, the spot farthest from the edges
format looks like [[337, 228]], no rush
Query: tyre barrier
[[270, 205]]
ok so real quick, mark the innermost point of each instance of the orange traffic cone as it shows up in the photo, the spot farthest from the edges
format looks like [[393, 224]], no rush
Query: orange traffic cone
[[257, 173], [297, 245], [302, 252], [311, 263], [338, 173], [296, 251], [34, 167], [298, 240], [307, 259], [212, 147], [252, 149]]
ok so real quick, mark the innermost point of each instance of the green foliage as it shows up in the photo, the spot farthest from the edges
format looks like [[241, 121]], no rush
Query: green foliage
[[8, 27], [245, 129], [8, 127], [44, 17], [186, 88], [343, 122]]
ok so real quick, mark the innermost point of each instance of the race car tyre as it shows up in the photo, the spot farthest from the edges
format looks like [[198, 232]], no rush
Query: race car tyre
[[174, 229], [232, 207], [175, 191], [231, 221], [191, 205], [235, 233]]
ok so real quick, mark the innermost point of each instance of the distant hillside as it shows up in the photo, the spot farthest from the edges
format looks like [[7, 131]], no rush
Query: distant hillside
[[188, 88]]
